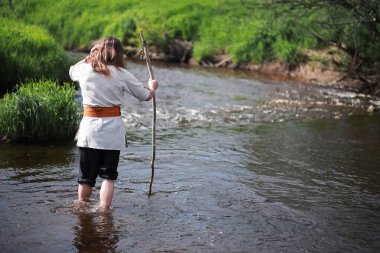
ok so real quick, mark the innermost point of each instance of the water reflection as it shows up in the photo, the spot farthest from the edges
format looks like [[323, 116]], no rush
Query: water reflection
[[95, 232], [35, 163], [35, 155]]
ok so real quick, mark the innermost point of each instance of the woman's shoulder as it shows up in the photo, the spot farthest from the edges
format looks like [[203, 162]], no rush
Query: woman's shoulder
[[120, 72], [118, 69], [79, 69], [82, 65]]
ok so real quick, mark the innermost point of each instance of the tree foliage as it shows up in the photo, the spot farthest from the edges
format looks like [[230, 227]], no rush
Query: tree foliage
[[353, 26]]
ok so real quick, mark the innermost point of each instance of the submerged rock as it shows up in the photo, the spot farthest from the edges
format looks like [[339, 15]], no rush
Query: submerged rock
[[372, 109]]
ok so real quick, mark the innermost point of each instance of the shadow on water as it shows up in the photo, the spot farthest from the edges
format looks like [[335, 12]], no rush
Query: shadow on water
[[241, 166]]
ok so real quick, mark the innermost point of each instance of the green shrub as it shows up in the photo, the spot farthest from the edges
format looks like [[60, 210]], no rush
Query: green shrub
[[27, 51], [41, 110], [288, 52]]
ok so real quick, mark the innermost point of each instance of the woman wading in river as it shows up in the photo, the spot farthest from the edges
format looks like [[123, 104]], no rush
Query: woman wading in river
[[104, 82]]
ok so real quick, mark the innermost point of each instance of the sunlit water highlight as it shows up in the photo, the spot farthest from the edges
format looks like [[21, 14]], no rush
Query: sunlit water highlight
[[242, 166]]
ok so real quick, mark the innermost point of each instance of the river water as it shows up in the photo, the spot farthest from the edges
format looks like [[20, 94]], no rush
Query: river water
[[242, 165]]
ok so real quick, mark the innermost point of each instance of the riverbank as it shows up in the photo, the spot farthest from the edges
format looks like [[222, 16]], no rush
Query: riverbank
[[323, 68], [311, 72]]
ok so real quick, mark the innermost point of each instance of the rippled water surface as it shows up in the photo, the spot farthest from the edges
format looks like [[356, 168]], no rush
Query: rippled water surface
[[242, 165]]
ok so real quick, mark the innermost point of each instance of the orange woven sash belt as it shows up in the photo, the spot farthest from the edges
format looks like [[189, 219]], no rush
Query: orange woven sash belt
[[101, 111]]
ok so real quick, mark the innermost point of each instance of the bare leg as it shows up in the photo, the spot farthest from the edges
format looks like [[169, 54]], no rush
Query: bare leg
[[106, 193], [84, 192]]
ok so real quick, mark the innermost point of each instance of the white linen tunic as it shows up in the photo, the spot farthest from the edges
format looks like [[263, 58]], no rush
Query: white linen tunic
[[99, 90]]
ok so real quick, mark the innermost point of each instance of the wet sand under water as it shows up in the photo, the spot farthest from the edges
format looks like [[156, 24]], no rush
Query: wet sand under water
[[242, 166]]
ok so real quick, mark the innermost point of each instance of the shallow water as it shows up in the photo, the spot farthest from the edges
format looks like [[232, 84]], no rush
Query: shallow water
[[242, 165]]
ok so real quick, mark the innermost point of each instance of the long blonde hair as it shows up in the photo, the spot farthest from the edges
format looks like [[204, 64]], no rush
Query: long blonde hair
[[110, 53]]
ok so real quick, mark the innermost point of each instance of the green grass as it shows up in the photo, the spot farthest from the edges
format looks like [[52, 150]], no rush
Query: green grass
[[241, 29], [28, 51], [39, 111], [214, 26]]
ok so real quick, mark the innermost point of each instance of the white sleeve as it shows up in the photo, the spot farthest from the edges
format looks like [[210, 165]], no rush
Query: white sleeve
[[73, 72], [135, 88]]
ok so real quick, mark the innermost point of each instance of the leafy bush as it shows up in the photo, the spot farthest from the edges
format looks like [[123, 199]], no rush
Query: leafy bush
[[357, 33], [41, 110], [27, 51]]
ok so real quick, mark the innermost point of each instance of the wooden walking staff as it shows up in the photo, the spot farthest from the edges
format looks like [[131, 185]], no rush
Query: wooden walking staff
[[147, 57]]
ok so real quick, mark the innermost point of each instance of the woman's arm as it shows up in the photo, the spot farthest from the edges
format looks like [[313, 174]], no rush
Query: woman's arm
[[135, 88]]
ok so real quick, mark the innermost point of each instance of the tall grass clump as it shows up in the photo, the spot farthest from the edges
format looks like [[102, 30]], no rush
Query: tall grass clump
[[28, 51], [39, 111]]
